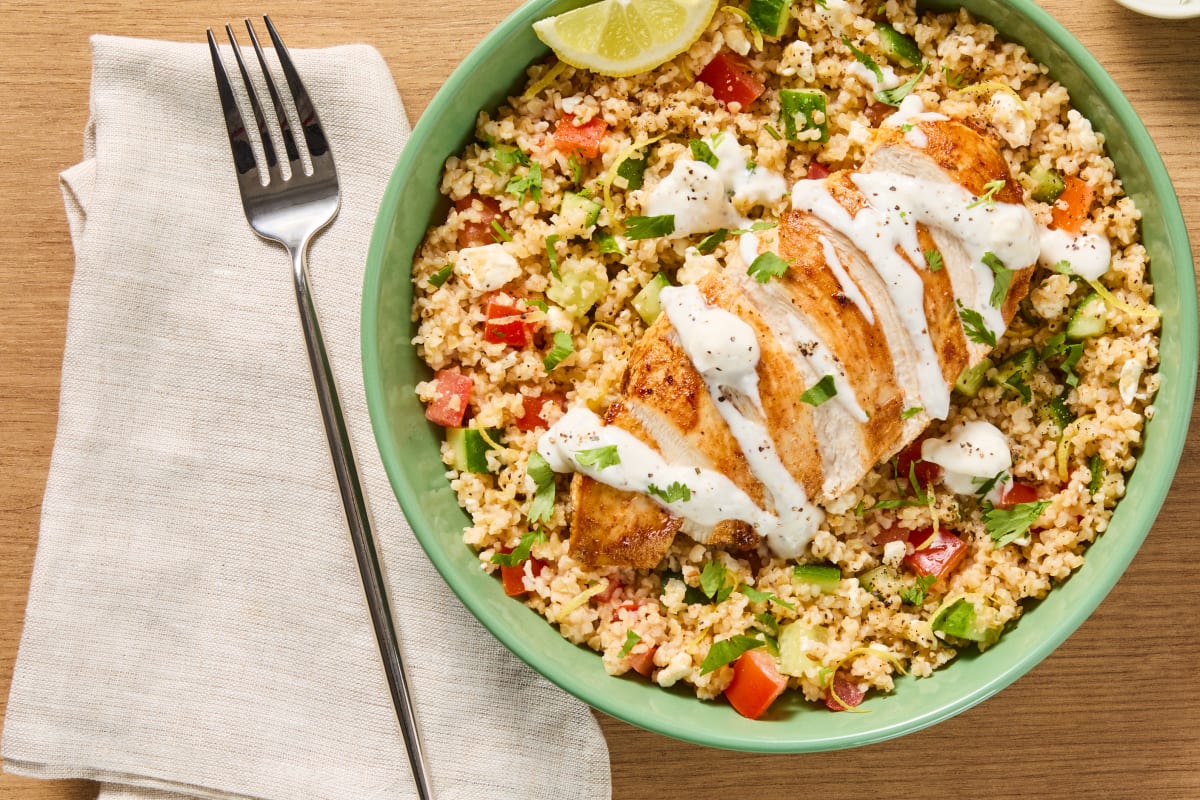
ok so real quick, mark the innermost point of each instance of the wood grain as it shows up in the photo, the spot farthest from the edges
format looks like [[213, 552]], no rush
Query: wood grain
[[1114, 712]]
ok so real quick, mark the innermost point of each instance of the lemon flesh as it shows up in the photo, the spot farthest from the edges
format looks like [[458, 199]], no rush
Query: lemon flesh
[[625, 37]]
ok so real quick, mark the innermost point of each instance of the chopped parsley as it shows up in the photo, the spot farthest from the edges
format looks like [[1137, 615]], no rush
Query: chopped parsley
[[521, 552], [498, 232], [1063, 268], [766, 266], [989, 194], [864, 59], [563, 347], [986, 485], [507, 159], [820, 392], [715, 582], [607, 243], [633, 171], [702, 152], [759, 596], [1006, 525], [955, 80], [892, 97], [649, 227], [911, 412], [599, 457], [538, 470], [934, 259], [631, 638], [441, 276], [776, 135], [540, 305], [710, 242], [728, 650], [528, 186], [552, 255], [915, 594], [1096, 467], [1003, 277], [576, 168], [1057, 347], [674, 493], [974, 327]]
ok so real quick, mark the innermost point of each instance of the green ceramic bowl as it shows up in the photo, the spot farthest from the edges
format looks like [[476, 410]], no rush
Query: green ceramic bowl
[[409, 445]]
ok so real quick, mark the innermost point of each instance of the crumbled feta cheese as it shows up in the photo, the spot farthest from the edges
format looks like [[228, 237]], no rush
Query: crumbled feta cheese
[[486, 268]]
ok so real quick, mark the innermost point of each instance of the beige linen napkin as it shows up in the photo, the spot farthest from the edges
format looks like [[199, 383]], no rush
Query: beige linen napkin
[[196, 625]]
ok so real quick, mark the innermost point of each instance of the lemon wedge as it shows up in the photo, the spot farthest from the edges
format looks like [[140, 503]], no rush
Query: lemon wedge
[[625, 37]]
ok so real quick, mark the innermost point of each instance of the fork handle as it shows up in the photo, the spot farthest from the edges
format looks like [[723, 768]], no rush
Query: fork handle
[[359, 522]]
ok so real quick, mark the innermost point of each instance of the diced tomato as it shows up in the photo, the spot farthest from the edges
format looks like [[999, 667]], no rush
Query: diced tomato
[[613, 588], [631, 607], [533, 410], [583, 139], [732, 79], [926, 472], [892, 534], [476, 214], [507, 323], [755, 685], [846, 691], [1071, 208], [451, 392], [935, 554], [817, 171], [513, 578], [1016, 494], [642, 662]]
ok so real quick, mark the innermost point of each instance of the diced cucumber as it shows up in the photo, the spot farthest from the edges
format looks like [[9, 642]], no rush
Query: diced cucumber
[[898, 47], [470, 448], [970, 380], [882, 581], [770, 16], [1056, 410], [961, 619], [646, 302], [1048, 184], [795, 640], [825, 577], [1020, 365], [578, 286], [575, 205], [633, 170], [1090, 318], [802, 112]]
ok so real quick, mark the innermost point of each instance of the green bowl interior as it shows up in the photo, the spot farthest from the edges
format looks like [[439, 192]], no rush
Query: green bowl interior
[[409, 446]]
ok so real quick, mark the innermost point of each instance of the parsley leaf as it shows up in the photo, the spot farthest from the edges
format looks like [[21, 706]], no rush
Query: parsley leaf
[[955, 80], [649, 227], [819, 392], [766, 266], [1056, 346], [892, 97], [498, 232], [934, 259], [759, 596], [715, 583], [915, 594], [989, 194], [528, 186], [776, 135], [507, 159], [633, 171], [986, 485], [552, 255], [692, 595], [441, 276], [727, 650], [576, 168], [710, 242], [1003, 277], [607, 243], [1096, 467], [864, 59], [599, 457], [542, 476], [974, 327], [1006, 525], [672, 494], [563, 347], [631, 638], [702, 152], [911, 412], [518, 554], [1063, 268]]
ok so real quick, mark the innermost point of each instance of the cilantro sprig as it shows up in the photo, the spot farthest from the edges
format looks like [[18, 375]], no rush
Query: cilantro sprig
[[649, 227], [766, 266], [674, 493], [915, 595], [974, 327], [1003, 276], [1006, 525], [727, 651], [820, 392], [989, 194], [521, 552], [539, 471], [599, 457]]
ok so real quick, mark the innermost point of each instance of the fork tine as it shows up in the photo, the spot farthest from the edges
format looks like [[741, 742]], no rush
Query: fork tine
[[314, 134], [260, 120], [239, 141], [285, 125]]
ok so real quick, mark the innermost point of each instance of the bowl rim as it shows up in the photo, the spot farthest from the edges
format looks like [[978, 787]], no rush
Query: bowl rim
[[1152, 8], [1168, 452]]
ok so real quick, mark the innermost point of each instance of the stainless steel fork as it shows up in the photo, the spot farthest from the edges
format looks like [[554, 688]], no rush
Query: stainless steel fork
[[291, 210]]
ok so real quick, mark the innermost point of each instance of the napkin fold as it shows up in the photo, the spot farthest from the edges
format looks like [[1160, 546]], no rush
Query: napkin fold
[[196, 625]]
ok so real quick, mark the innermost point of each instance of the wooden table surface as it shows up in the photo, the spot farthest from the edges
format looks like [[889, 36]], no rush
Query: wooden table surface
[[1115, 712]]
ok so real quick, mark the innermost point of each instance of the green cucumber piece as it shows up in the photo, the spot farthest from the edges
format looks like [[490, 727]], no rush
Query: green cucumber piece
[[825, 577], [1048, 184], [578, 286], [573, 201], [898, 47], [470, 448], [793, 659], [1090, 318], [802, 113], [770, 17], [970, 380], [1020, 365], [646, 302], [882, 581], [961, 620]]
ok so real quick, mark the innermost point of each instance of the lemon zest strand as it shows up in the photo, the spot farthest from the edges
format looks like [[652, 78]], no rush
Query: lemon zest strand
[[581, 598], [1149, 312], [755, 33], [860, 651], [1063, 451], [548, 77], [611, 174]]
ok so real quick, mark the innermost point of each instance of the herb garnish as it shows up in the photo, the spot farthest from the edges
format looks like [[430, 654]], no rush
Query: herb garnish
[[538, 470], [759, 596], [674, 493], [607, 243], [715, 583], [974, 327], [892, 97], [934, 259], [599, 457], [631, 638], [702, 152], [915, 594], [986, 485], [1003, 277], [437, 279], [911, 412], [766, 266], [521, 552], [649, 227], [820, 392], [727, 650], [563, 347], [989, 194], [528, 186], [633, 171], [498, 232], [1096, 467], [1006, 525], [864, 59], [552, 255]]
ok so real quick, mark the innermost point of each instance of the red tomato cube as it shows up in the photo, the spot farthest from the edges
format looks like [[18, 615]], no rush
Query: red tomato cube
[[452, 390], [476, 215], [533, 410], [732, 79], [935, 553], [755, 685], [1016, 494], [506, 323], [583, 139]]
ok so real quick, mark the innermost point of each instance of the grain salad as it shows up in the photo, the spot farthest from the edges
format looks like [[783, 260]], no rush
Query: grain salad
[[564, 243]]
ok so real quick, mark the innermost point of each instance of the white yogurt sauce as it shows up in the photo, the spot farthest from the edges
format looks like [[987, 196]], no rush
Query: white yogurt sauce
[[888, 79], [820, 361], [1088, 254], [849, 287], [910, 112], [887, 227], [725, 351], [970, 455]]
